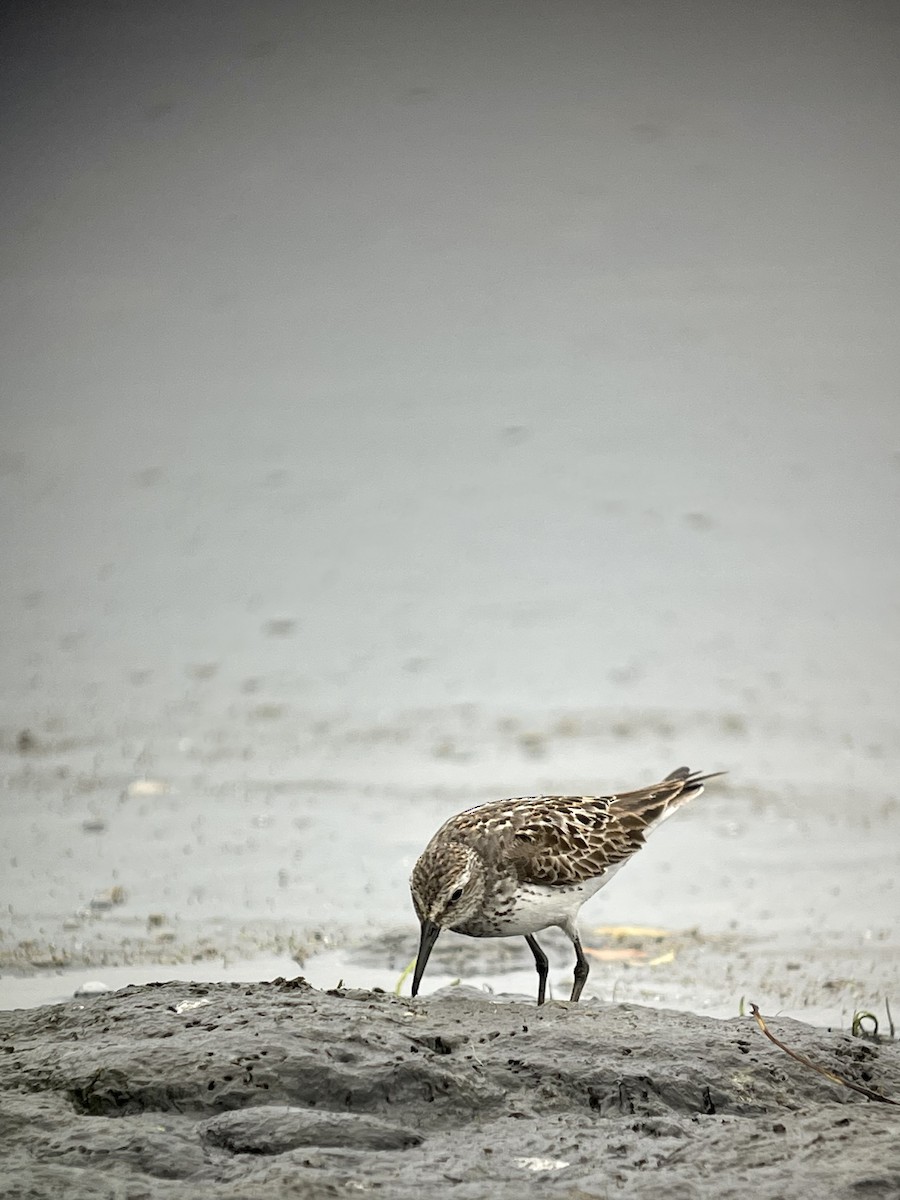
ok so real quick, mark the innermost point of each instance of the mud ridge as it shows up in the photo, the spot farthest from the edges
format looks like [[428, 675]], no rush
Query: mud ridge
[[238, 1089]]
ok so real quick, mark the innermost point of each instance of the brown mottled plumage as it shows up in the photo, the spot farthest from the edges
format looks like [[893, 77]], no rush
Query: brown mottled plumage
[[518, 866]]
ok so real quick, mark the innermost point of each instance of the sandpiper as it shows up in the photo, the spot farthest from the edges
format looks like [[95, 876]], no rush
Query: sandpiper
[[519, 866]]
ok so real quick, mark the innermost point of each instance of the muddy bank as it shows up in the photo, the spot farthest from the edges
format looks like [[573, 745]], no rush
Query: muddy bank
[[234, 1090]]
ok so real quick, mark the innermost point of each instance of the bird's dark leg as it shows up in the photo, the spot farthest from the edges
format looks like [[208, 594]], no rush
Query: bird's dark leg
[[540, 961], [582, 970]]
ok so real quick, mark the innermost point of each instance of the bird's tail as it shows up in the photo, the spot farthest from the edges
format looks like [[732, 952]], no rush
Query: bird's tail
[[653, 804], [691, 781]]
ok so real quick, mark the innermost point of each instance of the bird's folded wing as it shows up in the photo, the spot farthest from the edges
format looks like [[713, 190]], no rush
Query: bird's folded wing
[[569, 839]]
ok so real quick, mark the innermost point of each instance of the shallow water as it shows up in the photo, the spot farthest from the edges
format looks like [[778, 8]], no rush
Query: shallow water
[[781, 896]]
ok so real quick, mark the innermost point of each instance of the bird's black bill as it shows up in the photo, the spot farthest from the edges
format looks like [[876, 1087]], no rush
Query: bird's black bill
[[427, 939]]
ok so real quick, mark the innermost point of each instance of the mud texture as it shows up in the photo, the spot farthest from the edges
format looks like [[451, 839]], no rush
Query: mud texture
[[253, 1090]]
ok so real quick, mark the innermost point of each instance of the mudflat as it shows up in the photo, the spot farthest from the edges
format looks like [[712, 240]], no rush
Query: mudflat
[[233, 1090]]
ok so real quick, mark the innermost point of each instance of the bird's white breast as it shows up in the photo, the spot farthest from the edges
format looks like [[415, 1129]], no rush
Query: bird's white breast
[[537, 906]]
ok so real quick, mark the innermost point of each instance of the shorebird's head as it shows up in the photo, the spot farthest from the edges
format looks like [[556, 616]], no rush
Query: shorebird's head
[[447, 888]]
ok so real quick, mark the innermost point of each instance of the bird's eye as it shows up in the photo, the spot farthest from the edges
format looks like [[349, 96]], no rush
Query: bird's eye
[[454, 896]]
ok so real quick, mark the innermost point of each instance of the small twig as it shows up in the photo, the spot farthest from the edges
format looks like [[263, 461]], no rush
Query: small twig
[[887, 1009], [807, 1062]]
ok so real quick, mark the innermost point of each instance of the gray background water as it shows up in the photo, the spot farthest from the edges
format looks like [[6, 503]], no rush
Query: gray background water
[[408, 404]]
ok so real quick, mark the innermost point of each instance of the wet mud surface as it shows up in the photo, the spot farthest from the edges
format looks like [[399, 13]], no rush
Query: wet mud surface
[[248, 1090]]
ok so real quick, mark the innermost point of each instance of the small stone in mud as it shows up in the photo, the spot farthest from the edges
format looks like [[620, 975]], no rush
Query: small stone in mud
[[190, 1005], [277, 1128], [147, 787], [279, 627], [202, 671], [541, 1164], [92, 987], [102, 901]]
